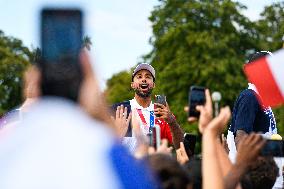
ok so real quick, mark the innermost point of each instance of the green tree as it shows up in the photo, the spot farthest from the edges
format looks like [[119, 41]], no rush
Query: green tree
[[118, 87], [14, 59], [271, 27], [206, 43], [87, 42], [271, 33], [199, 43]]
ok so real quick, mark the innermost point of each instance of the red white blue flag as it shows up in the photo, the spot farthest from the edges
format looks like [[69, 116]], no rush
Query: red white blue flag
[[267, 74]]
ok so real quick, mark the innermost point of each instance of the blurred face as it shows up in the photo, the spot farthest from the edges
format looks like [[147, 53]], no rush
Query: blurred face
[[143, 83]]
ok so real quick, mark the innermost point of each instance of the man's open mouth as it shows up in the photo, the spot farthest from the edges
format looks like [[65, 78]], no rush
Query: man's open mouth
[[144, 87], [144, 90]]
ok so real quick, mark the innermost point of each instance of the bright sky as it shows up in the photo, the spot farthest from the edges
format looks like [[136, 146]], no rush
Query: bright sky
[[119, 29]]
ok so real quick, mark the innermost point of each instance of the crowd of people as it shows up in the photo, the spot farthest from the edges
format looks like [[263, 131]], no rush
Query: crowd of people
[[53, 141]]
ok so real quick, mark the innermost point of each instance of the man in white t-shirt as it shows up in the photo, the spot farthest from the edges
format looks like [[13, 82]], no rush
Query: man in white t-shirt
[[149, 113]]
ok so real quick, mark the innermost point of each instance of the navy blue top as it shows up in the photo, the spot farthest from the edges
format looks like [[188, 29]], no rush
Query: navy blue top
[[250, 116]]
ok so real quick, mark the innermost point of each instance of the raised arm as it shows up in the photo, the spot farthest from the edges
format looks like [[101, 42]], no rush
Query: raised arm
[[210, 158], [249, 148]]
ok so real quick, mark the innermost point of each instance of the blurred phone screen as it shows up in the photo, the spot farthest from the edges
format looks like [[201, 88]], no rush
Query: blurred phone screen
[[61, 35], [196, 97]]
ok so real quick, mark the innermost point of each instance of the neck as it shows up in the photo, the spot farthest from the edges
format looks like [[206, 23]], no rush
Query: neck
[[144, 102], [252, 87]]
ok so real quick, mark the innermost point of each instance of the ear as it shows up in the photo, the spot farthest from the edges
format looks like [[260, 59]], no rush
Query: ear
[[132, 85], [154, 85]]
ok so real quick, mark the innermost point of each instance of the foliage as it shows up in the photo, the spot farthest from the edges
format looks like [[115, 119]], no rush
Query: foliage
[[119, 89], [270, 37], [202, 43], [271, 27], [87, 42], [14, 59]]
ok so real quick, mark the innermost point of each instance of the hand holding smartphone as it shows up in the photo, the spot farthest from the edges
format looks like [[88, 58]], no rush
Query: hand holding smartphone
[[160, 99], [196, 97]]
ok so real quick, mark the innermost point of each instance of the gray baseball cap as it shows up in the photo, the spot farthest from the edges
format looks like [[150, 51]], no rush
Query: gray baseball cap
[[144, 66]]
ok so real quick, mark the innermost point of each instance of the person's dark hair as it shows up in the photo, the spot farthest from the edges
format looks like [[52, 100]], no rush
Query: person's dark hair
[[258, 55], [193, 167], [169, 172], [261, 174]]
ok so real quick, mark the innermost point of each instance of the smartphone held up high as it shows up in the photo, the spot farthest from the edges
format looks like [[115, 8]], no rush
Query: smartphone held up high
[[196, 97], [160, 99], [61, 35], [61, 43]]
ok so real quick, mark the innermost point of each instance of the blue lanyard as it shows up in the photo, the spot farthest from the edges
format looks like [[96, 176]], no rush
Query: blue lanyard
[[152, 121]]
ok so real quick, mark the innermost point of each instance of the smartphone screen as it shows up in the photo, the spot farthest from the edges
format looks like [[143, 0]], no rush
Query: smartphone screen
[[196, 97], [161, 99], [61, 35], [113, 109], [273, 148], [61, 43], [189, 143]]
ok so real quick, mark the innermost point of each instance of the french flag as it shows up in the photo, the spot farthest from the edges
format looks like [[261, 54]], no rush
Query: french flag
[[267, 74]]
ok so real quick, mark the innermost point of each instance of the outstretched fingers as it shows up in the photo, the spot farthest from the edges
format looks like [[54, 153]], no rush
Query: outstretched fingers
[[208, 103], [219, 122]]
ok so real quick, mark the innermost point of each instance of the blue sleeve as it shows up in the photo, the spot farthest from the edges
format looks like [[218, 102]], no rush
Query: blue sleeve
[[133, 174], [245, 112]]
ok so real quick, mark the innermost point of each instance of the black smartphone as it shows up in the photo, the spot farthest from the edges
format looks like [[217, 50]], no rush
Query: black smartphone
[[61, 43], [273, 148], [196, 97], [61, 35], [161, 99], [113, 112], [189, 143]]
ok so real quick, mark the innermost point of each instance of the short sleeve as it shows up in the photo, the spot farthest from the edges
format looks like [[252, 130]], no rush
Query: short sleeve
[[245, 112]]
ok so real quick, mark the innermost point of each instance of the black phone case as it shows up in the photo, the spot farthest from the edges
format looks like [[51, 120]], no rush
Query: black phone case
[[161, 99], [125, 104], [194, 90], [189, 143]]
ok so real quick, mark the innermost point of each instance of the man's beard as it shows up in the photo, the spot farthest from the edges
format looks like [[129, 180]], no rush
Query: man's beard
[[143, 94]]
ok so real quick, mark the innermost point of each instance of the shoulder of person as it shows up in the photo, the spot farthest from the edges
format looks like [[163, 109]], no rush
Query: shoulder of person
[[248, 96]]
